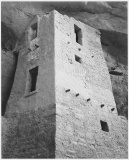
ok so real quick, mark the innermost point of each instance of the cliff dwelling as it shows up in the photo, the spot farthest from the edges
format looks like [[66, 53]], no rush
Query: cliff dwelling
[[61, 102]]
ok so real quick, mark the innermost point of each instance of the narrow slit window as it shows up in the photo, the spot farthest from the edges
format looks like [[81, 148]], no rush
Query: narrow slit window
[[33, 31], [104, 126], [78, 59], [33, 79], [78, 33]]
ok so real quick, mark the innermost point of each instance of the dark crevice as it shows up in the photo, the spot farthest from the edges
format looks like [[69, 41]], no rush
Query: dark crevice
[[8, 37], [116, 73], [116, 39], [9, 62], [113, 68], [115, 49], [36, 47], [10, 83]]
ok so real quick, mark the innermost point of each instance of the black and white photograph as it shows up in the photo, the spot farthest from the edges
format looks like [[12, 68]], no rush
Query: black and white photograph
[[64, 79]]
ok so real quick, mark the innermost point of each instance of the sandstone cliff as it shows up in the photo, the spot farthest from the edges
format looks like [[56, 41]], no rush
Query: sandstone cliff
[[109, 17]]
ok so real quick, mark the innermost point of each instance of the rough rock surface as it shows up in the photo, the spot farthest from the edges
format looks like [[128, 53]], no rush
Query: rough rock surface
[[109, 17], [8, 71]]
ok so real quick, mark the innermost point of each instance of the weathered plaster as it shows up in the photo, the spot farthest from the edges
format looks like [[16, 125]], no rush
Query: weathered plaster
[[29, 122]]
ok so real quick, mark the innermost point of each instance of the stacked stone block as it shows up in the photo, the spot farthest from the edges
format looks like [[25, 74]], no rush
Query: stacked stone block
[[84, 96]]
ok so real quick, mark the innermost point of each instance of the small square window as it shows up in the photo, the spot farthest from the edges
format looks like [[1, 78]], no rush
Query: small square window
[[104, 126], [78, 59]]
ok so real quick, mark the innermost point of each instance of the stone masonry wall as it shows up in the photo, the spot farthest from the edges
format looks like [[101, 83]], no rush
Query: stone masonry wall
[[29, 122], [62, 117], [84, 96]]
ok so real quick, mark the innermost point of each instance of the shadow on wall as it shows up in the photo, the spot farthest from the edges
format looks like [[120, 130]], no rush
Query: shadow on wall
[[117, 40], [8, 37], [9, 62], [114, 45], [114, 38]]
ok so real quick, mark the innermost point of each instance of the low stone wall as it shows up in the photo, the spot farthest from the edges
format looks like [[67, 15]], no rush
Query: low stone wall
[[30, 134]]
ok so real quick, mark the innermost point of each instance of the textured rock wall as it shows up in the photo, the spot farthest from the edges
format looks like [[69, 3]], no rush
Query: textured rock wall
[[29, 122], [115, 50], [8, 71], [101, 15], [84, 97], [30, 134]]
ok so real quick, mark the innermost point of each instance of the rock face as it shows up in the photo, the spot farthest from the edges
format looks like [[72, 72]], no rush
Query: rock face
[[109, 17], [115, 49], [101, 15], [9, 62]]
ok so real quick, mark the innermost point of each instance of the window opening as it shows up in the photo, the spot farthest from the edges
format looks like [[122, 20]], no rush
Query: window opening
[[117, 73], [78, 33], [33, 79], [33, 31], [78, 59], [104, 126]]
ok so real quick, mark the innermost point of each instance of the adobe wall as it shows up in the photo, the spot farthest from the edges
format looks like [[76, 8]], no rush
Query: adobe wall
[[84, 96], [29, 122]]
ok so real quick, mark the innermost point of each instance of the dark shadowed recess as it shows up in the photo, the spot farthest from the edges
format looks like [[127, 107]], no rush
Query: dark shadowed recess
[[114, 45], [8, 74], [9, 62], [8, 37], [115, 39]]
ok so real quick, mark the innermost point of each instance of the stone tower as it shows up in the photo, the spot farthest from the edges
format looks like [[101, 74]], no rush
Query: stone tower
[[61, 104]]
